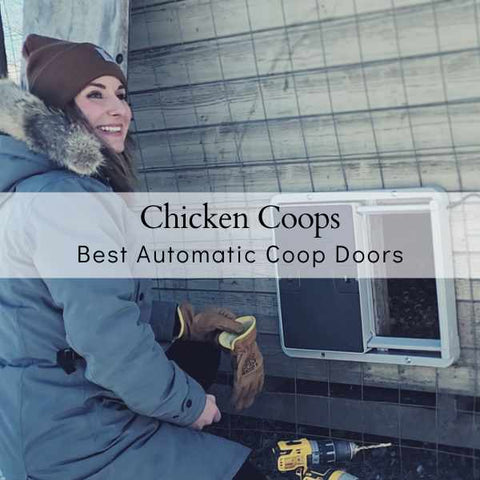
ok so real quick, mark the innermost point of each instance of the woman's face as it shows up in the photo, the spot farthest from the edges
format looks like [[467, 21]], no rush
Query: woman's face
[[104, 103]]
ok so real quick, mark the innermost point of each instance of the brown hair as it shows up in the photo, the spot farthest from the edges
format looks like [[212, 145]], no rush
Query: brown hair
[[119, 168]]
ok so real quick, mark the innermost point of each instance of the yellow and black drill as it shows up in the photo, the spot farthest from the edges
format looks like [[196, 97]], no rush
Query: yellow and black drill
[[312, 460]]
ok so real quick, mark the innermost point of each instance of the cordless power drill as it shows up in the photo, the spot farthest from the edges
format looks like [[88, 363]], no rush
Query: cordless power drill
[[311, 459]]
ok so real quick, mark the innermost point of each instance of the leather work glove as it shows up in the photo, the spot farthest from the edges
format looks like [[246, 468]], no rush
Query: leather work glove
[[205, 326], [247, 362]]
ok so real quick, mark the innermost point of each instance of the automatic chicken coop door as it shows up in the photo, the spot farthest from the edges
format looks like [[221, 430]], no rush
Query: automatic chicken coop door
[[364, 317]]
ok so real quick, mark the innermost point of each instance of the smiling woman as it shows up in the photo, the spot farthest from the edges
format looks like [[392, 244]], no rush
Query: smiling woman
[[102, 108], [104, 104], [124, 407]]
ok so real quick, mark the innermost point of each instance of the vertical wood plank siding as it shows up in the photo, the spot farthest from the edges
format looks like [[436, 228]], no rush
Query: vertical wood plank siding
[[289, 95]]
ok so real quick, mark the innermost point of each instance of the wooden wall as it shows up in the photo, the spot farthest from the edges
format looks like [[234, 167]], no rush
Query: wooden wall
[[311, 95]]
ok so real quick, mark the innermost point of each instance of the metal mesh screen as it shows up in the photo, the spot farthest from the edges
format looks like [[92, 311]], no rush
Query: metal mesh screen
[[283, 95]]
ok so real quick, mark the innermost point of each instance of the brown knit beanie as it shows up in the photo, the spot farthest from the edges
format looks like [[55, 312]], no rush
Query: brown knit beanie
[[57, 70]]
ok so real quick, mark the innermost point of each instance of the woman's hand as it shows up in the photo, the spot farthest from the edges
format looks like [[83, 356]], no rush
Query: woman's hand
[[211, 414]]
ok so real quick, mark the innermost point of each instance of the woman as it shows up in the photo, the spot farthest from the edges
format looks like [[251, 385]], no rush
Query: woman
[[86, 391]]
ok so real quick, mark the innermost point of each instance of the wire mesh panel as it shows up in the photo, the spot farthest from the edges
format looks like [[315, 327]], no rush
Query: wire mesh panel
[[342, 85], [314, 95], [289, 95]]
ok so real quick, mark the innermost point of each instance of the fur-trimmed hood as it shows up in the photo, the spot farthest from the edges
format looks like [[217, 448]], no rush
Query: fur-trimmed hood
[[40, 139]]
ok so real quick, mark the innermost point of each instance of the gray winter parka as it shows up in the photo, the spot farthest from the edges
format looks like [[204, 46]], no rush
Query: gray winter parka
[[124, 412]]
